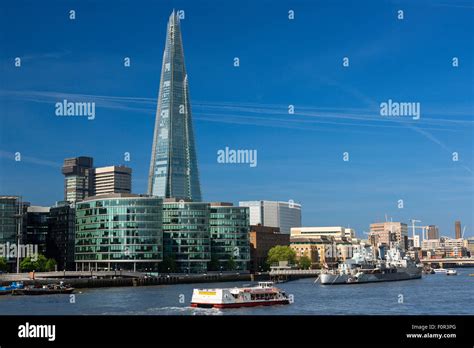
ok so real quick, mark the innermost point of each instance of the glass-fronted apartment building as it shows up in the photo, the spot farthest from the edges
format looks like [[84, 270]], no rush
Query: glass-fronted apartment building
[[10, 222], [229, 228], [37, 227], [186, 236], [61, 234], [119, 231]]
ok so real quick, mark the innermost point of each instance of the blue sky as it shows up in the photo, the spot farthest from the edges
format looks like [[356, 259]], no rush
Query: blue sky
[[282, 62]]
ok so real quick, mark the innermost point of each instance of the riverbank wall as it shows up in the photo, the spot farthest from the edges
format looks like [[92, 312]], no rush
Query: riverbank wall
[[94, 282]]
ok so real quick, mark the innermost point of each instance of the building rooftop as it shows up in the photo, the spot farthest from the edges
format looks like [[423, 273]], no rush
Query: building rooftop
[[176, 200], [119, 168], [259, 201], [38, 209], [221, 204], [116, 195], [265, 229]]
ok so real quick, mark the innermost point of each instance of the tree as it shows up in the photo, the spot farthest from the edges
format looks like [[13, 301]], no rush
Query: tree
[[168, 265], [27, 264], [281, 253], [3, 264], [231, 264], [305, 262], [40, 264], [50, 265], [214, 263]]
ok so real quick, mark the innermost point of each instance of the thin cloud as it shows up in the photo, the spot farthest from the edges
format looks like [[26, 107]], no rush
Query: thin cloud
[[29, 159], [271, 115], [366, 117], [45, 55]]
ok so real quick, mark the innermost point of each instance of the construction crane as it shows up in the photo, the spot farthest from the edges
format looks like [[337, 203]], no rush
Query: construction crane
[[413, 226]]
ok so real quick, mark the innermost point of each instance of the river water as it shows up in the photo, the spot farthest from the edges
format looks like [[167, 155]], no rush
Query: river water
[[433, 294]]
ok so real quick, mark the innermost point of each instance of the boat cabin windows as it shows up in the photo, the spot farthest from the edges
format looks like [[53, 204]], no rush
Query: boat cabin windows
[[265, 284], [263, 296]]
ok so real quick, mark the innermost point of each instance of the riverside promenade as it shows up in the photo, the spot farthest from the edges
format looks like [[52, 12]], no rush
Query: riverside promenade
[[95, 279], [98, 279]]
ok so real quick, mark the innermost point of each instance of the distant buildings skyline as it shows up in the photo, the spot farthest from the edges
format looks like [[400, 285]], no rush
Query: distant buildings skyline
[[77, 173], [112, 179], [388, 233], [82, 179], [457, 229], [433, 232], [283, 215]]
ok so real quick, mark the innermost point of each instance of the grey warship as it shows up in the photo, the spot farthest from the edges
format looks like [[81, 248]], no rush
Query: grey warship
[[363, 267]]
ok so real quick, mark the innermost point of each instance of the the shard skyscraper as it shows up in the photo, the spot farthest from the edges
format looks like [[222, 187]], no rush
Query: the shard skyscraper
[[173, 168]]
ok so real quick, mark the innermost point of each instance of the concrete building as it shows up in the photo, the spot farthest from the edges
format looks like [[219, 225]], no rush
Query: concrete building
[[323, 245], [469, 244], [453, 243], [428, 244], [349, 232], [388, 233], [444, 247], [433, 232], [283, 215], [112, 179], [262, 239], [327, 231], [119, 231], [82, 180], [78, 178], [457, 229], [416, 241], [322, 249]]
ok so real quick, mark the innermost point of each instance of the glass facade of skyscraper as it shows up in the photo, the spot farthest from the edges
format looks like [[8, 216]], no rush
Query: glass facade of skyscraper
[[119, 231], [8, 221], [173, 167], [229, 227], [61, 235], [186, 236], [12, 219], [37, 227]]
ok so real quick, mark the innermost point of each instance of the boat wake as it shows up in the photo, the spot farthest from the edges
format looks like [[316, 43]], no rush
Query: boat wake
[[170, 311]]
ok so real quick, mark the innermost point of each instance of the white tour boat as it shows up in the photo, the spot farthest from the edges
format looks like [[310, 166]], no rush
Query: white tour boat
[[264, 294]]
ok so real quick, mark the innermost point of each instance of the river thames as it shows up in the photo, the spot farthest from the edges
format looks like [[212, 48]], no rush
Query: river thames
[[431, 295]]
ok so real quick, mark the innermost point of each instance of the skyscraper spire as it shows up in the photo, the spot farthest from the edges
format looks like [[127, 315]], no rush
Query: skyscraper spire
[[173, 166]]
